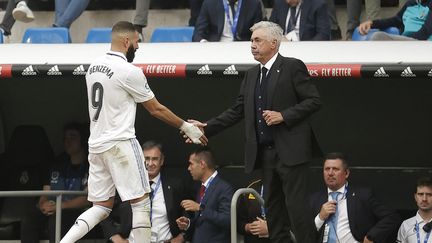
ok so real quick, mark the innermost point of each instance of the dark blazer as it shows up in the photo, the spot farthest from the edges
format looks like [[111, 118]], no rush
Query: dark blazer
[[366, 215], [314, 19], [289, 91], [212, 223], [211, 20], [175, 190]]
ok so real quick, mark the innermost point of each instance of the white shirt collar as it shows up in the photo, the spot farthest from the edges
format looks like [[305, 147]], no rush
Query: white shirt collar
[[419, 219], [270, 62], [156, 178], [116, 53], [341, 190], [206, 183]]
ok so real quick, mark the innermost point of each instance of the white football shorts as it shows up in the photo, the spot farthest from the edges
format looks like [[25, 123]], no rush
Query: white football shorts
[[121, 167]]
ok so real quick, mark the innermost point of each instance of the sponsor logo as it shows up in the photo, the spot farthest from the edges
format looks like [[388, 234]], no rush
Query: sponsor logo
[[430, 73], [80, 70], [161, 69], [313, 72], [28, 71], [231, 70], [54, 71], [381, 73], [204, 70], [407, 73]]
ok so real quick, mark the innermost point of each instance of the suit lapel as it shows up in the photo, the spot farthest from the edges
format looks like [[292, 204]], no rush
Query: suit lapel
[[209, 191], [284, 13], [167, 192], [351, 205], [253, 77], [272, 81], [305, 6]]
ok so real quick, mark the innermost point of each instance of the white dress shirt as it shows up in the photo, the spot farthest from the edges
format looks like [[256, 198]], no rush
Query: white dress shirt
[[227, 35], [343, 230], [160, 224], [295, 34]]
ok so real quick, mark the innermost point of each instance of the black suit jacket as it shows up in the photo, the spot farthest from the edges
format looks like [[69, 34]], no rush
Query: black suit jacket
[[289, 91], [366, 215], [211, 20], [212, 223], [175, 190], [314, 19]]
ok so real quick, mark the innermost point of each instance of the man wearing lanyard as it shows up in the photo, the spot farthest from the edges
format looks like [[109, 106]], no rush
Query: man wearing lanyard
[[211, 220], [227, 20], [349, 214], [302, 20], [418, 228], [167, 193]]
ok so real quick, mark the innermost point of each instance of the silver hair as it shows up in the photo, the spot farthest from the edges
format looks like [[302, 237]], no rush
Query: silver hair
[[273, 30]]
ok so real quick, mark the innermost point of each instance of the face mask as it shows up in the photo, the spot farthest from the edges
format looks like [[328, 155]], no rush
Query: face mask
[[130, 54]]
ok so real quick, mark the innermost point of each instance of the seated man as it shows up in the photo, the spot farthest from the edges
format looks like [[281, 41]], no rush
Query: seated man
[[69, 173], [418, 228], [414, 20], [302, 20], [211, 211], [251, 218], [227, 20], [15, 10], [345, 213]]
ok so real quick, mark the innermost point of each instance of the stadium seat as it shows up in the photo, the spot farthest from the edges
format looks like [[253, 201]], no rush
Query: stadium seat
[[46, 35], [359, 37], [1, 38], [99, 35], [172, 34]]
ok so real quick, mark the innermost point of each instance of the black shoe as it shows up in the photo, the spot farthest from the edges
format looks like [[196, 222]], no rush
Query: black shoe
[[336, 34]]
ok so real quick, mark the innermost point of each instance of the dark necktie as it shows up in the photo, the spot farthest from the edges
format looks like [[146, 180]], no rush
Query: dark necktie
[[292, 21], [232, 5], [263, 75], [151, 198], [201, 193]]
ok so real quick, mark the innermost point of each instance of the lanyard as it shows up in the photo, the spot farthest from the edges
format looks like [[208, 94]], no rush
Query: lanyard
[[298, 9], [208, 185], [263, 214], [417, 229], [235, 18]]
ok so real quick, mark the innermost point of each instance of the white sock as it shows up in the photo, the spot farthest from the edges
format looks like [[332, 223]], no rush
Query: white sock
[[141, 227], [85, 222]]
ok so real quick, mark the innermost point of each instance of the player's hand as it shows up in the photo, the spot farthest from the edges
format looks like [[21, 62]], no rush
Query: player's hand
[[194, 133], [190, 205], [259, 228], [182, 223], [327, 209], [48, 207], [118, 239], [272, 117], [365, 27]]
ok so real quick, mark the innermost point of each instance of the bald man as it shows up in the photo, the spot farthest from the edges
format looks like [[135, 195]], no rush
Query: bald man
[[114, 87]]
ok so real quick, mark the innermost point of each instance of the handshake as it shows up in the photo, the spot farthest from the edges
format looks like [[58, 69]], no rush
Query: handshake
[[193, 132]]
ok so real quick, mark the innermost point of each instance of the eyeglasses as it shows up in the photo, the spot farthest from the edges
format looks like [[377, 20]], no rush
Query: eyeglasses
[[148, 158]]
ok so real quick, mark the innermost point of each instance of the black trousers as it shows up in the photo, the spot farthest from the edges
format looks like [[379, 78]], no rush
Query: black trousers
[[285, 194]]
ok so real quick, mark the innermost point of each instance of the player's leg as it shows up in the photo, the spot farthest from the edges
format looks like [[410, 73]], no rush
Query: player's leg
[[132, 183]]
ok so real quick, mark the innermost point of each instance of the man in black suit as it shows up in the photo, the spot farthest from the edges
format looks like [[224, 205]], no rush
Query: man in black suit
[[227, 20], [276, 99], [302, 20], [167, 193], [211, 219], [353, 214]]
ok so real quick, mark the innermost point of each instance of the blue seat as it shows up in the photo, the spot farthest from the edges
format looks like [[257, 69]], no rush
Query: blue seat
[[1, 37], [172, 34], [359, 37], [99, 35], [46, 35]]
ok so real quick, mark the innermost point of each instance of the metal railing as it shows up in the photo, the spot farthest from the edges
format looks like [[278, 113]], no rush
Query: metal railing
[[234, 209], [58, 195]]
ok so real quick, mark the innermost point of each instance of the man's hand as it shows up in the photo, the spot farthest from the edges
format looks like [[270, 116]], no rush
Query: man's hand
[[118, 239], [366, 240], [365, 27], [272, 117], [259, 228], [178, 239], [183, 223], [48, 208], [190, 205], [327, 209], [194, 133]]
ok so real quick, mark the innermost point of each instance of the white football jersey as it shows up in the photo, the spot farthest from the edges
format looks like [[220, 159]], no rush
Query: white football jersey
[[114, 87]]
